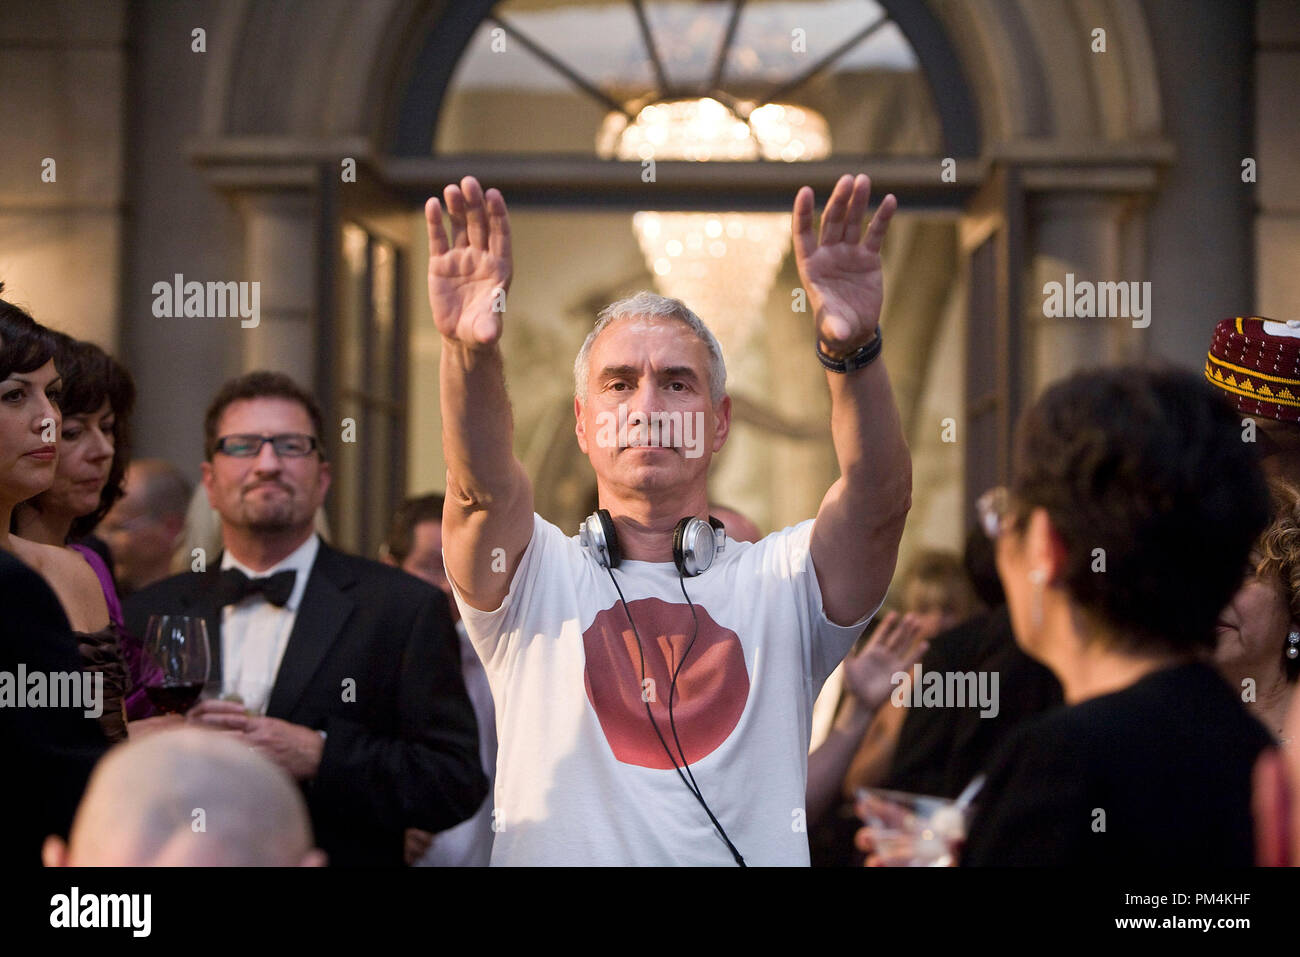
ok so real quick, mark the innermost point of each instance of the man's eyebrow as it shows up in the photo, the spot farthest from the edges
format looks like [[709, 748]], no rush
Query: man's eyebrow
[[610, 372], [678, 372]]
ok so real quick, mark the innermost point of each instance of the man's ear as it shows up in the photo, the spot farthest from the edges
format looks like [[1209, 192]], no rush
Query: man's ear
[[722, 422], [208, 476], [174, 525], [386, 556], [579, 427], [54, 852], [314, 858], [326, 478]]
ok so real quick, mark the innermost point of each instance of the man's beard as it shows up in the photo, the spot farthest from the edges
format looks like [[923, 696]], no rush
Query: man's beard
[[273, 525], [272, 520]]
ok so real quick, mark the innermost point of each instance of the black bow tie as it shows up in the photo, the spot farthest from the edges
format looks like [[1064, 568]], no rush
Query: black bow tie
[[236, 586]]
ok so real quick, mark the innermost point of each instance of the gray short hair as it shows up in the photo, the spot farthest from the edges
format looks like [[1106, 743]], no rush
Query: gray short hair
[[649, 305]]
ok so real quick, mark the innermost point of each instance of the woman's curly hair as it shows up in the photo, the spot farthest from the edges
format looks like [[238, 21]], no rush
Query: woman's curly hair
[[1277, 552]]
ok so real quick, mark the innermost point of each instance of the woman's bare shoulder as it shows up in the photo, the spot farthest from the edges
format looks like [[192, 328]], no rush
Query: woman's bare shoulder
[[72, 579]]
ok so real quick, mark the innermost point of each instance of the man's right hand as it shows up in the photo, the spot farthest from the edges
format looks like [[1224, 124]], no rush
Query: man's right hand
[[470, 275], [489, 497]]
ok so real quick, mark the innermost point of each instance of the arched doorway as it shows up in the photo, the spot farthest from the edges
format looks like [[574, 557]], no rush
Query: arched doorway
[[1048, 172]]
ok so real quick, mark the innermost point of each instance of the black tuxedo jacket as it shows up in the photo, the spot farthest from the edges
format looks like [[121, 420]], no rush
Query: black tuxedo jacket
[[48, 752], [372, 661]]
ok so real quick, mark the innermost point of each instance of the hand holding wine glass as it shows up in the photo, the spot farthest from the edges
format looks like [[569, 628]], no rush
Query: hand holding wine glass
[[179, 646]]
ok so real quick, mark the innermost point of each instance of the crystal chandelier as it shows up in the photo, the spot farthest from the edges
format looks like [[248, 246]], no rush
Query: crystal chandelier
[[720, 264]]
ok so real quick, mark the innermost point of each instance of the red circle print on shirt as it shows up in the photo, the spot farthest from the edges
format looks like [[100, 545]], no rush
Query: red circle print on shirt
[[712, 687]]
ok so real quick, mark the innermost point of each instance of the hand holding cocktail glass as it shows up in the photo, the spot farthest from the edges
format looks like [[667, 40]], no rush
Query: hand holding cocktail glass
[[913, 830]]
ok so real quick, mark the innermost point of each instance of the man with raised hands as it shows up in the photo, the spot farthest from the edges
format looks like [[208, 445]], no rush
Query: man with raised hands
[[653, 706]]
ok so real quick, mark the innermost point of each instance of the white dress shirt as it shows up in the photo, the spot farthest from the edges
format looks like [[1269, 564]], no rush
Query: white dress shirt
[[254, 632], [469, 843]]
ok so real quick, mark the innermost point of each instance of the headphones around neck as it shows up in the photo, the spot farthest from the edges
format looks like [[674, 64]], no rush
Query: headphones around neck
[[695, 542]]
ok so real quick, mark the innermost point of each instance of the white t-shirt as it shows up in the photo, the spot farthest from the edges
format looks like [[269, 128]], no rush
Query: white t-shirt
[[582, 779]]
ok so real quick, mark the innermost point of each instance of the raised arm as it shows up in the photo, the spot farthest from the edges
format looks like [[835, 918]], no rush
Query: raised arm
[[489, 497], [855, 538]]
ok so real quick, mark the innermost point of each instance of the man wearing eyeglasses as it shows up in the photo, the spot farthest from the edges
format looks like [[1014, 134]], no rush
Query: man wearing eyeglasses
[[343, 671]]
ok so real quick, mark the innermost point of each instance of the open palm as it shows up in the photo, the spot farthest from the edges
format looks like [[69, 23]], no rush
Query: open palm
[[470, 274], [841, 273], [892, 648]]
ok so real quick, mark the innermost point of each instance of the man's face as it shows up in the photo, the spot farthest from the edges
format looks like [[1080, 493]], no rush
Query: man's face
[[667, 429], [137, 538], [425, 559], [266, 493]]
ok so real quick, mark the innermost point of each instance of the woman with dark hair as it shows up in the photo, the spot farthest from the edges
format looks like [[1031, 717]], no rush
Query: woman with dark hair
[[97, 399], [1131, 513], [30, 420], [1258, 648]]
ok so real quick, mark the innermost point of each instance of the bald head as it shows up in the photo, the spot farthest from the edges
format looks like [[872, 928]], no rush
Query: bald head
[[188, 798]]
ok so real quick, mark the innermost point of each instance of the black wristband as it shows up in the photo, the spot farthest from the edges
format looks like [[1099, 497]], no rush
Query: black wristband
[[854, 360]]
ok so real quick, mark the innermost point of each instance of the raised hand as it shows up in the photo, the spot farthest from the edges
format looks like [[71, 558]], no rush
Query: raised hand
[[893, 647], [842, 274], [470, 275]]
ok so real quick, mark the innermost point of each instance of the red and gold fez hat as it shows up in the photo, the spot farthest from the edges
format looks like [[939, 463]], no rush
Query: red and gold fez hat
[[1257, 362]]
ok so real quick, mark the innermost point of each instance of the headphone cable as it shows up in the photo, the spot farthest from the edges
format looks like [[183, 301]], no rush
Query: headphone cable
[[690, 785], [672, 688]]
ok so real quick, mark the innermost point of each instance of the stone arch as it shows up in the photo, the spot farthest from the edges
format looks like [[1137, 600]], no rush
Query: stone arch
[[1035, 77], [325, 70], [294, 84]]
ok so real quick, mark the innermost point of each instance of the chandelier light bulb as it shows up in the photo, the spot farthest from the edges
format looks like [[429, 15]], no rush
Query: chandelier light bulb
[[721, 264]]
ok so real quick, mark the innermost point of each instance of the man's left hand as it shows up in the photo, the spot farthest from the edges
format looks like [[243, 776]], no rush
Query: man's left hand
[[295, 748], [841, 274]]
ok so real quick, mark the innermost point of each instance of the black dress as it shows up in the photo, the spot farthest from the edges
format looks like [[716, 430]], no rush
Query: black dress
[[1158, 774], [48, 752], [940, 749]]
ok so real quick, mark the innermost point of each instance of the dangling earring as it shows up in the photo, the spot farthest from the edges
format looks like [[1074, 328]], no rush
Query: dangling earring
[[1293, 645], [1037, 578]]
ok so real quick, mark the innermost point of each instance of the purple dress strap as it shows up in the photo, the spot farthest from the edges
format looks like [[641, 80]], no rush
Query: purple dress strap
[[143, 671]]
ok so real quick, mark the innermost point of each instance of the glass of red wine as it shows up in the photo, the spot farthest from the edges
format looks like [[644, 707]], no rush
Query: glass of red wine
[[179, 646]]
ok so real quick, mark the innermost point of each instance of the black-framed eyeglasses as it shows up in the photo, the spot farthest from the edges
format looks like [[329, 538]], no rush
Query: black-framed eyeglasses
[[287, 445]]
